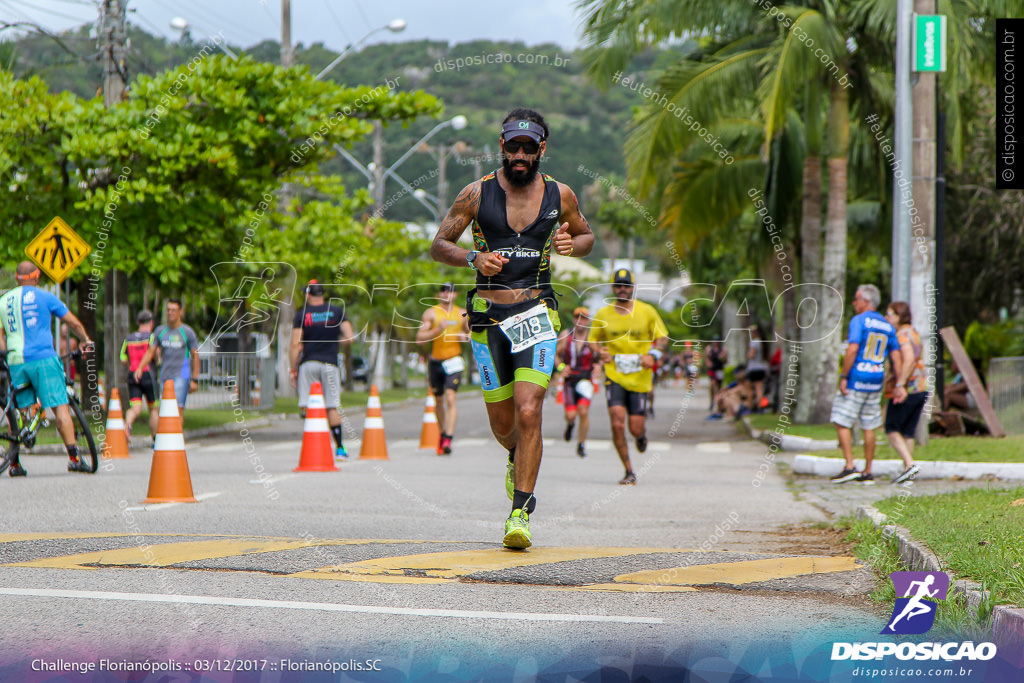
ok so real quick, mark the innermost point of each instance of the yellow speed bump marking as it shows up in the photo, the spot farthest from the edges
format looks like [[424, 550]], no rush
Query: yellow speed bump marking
[[750, 571], [628, 588], [435, 567], [166, 554]]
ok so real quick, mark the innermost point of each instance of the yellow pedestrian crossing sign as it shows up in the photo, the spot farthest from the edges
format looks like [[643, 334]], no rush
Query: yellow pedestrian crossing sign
[[57, 250]]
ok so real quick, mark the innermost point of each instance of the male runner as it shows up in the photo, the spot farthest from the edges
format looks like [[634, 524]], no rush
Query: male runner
[[25, 336], [177, 344], [629, 338], [317, 331], [132, 350], [519, 216], [578, 389], [446, 326]]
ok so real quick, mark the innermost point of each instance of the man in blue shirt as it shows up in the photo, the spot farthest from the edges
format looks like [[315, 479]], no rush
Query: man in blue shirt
[[859, 399], [26, 337]]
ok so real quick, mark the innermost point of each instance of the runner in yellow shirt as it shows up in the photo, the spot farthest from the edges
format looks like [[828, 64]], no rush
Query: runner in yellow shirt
[[629, 337], [446, 326]]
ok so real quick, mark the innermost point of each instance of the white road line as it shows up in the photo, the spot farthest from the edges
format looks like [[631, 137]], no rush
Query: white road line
[[282, 445], [323, 606], [606, 444], [273, 480], [163, 506], [714, 447], [219, 447]]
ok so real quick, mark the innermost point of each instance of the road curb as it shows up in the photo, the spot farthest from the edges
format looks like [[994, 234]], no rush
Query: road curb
[[1007, 627], [816, 465], [819, 466]]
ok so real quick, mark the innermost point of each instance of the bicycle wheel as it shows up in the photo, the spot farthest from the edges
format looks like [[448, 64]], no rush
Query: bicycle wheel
[[83, 437], [9, 443]]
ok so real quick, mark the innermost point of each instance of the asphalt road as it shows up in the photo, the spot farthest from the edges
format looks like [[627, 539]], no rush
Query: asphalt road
[[399, 562]]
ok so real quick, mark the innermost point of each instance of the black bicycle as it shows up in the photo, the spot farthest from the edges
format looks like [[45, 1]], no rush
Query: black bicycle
[[19, 426]]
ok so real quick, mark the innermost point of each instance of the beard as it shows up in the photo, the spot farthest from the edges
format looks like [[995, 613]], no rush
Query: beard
[[519, 177]]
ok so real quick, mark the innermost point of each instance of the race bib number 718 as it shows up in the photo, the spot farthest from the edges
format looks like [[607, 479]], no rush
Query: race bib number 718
[[528, 328]]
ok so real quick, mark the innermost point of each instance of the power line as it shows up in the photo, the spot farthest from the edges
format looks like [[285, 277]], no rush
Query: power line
[[220, 20], [363, 14], [337, 21], [50, 11]]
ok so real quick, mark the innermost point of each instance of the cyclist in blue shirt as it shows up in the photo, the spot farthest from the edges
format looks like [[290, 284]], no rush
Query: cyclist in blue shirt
[[859, 399], [26, 337]]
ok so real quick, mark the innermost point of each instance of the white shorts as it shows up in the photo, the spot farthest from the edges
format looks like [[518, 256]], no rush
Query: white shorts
[[329, 378], [857, 406]]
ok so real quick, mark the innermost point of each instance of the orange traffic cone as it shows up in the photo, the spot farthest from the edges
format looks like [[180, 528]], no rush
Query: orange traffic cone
[[317, 454], [115, 443], [559, 398], [169, 480], [430, 435], [374, 446]]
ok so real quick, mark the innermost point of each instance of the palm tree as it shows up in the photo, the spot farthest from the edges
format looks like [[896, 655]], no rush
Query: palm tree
[[761, 69], [749, 51]]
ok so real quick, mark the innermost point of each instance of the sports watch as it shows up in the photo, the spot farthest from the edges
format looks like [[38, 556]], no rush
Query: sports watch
[[470, 257]]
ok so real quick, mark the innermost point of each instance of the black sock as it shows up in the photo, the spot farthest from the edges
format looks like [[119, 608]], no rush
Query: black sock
[[521, 500], [72, 451], [336, 433], [512, 454]]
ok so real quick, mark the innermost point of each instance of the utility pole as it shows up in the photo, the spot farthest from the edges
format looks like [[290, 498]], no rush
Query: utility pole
[[112, 36], [284, 325], [903, 163], [378, 166], [286, 34], [921, 259]]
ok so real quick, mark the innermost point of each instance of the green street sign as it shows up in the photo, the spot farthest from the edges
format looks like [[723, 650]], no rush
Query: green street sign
[[929, 42]]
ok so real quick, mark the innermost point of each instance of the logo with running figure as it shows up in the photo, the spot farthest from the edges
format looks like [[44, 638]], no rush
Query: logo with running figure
[[916, 596]]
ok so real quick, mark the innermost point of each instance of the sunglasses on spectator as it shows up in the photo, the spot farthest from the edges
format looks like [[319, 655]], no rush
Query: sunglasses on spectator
[[528, 146]]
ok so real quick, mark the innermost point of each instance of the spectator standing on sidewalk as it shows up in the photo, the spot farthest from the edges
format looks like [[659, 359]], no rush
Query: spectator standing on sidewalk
[[901, 418], [871, 338], [757, 369]]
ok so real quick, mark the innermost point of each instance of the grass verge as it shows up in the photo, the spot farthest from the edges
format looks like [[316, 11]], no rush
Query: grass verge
[[952, 448], [769, 423], [953, 621], [978, 533]]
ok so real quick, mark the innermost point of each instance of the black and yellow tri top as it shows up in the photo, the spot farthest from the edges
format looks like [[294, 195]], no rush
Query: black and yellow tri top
[[528, 252]]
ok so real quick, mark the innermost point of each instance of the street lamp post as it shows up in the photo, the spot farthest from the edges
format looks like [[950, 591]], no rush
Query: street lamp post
[[380, 174], [395, 26], [181, 25]]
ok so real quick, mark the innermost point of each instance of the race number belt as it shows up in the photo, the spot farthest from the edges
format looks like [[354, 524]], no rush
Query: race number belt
[[628, 363], [528, 328], [453, 365], [585, 389]]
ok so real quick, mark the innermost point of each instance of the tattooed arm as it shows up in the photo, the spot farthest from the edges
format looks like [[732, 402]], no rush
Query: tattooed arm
[[574, 237], [445, 248]]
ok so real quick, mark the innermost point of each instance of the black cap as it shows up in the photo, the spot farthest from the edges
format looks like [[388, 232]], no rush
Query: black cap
[[314, 288], [623, 276], [514, 129], [144, 317]]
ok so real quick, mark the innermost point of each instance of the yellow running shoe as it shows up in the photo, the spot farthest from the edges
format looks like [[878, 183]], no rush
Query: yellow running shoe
[[517, 530]]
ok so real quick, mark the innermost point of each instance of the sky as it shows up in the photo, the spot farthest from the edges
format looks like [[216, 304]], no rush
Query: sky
[[336, 23]]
